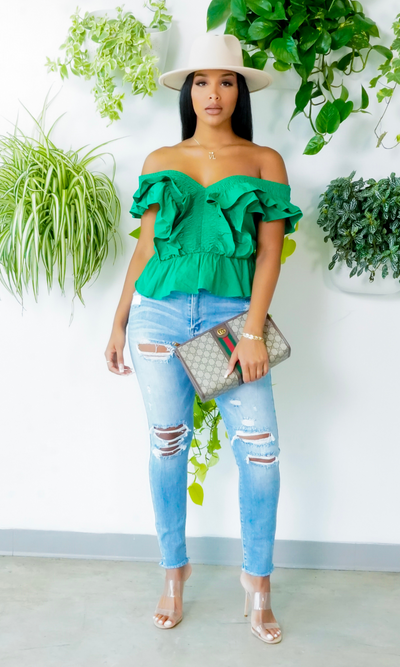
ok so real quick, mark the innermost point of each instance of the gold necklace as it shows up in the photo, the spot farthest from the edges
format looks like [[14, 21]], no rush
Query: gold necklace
[[211, 154]]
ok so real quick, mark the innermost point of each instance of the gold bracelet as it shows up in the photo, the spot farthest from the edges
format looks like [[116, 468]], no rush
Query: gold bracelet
[[252, 336]]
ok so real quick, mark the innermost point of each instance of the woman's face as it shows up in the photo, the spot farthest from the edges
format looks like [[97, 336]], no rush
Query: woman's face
[[214, 88]]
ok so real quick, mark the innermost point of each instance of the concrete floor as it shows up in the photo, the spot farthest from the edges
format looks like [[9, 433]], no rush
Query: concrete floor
[[94, 613]]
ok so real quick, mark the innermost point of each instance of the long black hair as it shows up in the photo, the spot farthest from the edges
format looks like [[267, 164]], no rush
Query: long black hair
[[241, 119]]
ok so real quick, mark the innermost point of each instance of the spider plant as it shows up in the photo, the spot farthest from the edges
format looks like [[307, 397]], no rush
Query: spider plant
[[52, 208]]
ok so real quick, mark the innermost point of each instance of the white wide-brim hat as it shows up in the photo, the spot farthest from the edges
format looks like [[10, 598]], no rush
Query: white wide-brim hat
[[211, 51]]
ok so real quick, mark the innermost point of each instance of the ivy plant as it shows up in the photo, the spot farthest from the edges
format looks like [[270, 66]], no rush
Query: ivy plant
[[391, 70], [302, 35], [124, 45], [52, 207], [363, 223], [206, 417]]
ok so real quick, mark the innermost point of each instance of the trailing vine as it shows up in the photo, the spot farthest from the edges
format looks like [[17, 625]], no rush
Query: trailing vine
[[124, 45], [301, 35]]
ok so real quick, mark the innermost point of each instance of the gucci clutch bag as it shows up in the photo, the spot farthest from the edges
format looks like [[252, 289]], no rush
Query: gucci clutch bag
[[205, 357]]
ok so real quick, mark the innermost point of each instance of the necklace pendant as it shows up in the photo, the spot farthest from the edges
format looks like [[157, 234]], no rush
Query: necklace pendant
[[211, 155]]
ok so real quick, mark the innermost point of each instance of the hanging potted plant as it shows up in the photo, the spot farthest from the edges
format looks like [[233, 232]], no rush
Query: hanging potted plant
[[118, 46], [363, 225], [53, 210], [304, 37]]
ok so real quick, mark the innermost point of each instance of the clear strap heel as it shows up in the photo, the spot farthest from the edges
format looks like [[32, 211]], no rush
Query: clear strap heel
[[259, 600], [172, 589]]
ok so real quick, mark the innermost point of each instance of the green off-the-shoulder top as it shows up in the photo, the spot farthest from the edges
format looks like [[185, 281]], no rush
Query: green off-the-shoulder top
[[206, 237]]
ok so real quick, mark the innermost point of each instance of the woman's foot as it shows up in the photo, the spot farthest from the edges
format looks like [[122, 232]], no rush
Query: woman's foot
[[260, 616], [169, 609]]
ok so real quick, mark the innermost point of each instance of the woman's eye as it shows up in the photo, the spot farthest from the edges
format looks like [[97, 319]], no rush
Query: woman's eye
[[199, 82]]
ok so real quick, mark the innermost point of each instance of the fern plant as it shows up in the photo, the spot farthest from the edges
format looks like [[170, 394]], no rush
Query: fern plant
[[363, 222]]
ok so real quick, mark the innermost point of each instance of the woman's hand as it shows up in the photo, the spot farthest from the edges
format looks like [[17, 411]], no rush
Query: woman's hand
[[253, 358], [114, 352]]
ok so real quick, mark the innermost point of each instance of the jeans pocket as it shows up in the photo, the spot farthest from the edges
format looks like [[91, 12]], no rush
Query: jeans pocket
[[136, 299]]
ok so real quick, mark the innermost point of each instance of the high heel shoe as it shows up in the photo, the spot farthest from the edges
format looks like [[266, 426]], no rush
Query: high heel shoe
[[172, 589], [259, 600]]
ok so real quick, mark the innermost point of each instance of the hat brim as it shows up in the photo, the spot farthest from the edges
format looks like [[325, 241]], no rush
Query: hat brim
[[256, 79]]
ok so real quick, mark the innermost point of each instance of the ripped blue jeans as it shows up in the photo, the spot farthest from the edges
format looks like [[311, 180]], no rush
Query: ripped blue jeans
[[248, 413]]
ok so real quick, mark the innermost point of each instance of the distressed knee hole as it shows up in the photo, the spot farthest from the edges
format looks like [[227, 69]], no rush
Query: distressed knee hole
[[264, 460], [259, 438], [155, 350], [171, 439]]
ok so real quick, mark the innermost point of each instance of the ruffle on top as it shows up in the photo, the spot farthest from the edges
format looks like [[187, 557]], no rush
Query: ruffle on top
[[271, 199], [159, 188], [206, 237]]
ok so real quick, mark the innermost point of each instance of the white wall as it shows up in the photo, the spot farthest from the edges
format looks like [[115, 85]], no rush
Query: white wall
[[74, 442]]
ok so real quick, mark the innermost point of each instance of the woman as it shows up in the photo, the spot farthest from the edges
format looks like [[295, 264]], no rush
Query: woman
[[205, 255]]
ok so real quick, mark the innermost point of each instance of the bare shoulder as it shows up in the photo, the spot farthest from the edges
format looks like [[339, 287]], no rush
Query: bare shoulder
[[272, 165], [157, 160]]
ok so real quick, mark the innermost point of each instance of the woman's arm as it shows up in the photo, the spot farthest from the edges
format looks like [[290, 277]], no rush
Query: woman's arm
[[252, 354], [144, 250]]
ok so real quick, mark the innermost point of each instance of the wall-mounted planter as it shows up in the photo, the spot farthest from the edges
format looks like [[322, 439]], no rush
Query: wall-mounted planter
[[361, 284], [160, 43]]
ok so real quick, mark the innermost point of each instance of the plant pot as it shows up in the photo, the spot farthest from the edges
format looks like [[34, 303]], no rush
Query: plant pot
[[361, 284], [160, 44]]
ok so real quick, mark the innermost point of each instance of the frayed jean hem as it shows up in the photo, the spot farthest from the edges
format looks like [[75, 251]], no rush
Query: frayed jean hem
[[257, 574], [169, 567]]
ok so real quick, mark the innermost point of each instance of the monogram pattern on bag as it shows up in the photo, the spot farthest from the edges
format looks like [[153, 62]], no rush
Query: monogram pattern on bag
[[208, 365], [277, 348]]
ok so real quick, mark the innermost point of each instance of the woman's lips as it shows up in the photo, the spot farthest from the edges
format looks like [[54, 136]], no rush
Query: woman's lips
[[214, 110]]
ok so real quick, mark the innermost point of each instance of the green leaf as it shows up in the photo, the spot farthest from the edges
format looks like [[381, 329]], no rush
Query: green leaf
[[345, 93], [285, 50], [323, 43], [328, 119], [384, 92], [289, 246], [196, 493], [260, 29], [259, 59], [239, 9], [344, 62], [246, 58], [135, 233], [341, 37], [314, 145], [308, 37], [217, 12], [237, 28], [260, 7], [364, 98], [303, 95], [194, 462], [307, 60], [202, 472], [213, 460], [347, 109], [384, 51], [281, 67], [296, 21], [279, 13], [209, 405]]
